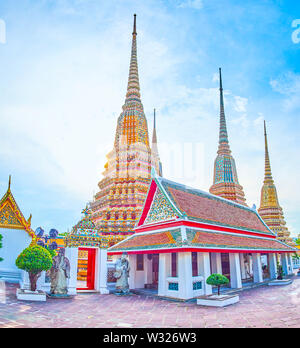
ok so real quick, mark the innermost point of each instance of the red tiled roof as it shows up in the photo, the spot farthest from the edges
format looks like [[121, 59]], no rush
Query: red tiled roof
[[204, 207], [172, 239], [230, 241], [167, 239]]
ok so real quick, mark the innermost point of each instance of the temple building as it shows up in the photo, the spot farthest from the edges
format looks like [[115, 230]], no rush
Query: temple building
[[117, 206], [226, 183], [269, 209], [17, 235], [185, 234]]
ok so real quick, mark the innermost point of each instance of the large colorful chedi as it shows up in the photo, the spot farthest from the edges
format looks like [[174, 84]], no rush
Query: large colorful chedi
[[269, 209], [117, 205], [226, 183]]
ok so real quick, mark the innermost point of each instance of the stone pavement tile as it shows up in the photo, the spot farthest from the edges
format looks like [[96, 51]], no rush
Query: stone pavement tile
[[261, 307]]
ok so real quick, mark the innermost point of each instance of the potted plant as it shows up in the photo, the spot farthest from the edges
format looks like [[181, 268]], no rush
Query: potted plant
[[33, 260], [218, 300], [280, 280]]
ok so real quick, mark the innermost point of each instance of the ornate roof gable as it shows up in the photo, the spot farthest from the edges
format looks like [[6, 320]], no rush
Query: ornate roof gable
[[11, 215], [161, 209]]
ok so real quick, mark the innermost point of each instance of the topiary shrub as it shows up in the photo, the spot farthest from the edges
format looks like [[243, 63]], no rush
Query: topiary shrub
[[34, 260], [217, 280]]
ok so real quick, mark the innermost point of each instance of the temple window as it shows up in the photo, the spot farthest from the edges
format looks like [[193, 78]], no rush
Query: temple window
[[139, 262], [195, 264], [174, 265]]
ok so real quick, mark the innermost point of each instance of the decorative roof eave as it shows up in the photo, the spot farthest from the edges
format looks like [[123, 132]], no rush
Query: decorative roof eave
[[205, 226], [143, 243], [197, 249], [8, 199]]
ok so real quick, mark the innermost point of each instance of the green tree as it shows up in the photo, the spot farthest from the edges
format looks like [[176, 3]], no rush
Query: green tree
[[0, 247], [34, 260], [217, 280]]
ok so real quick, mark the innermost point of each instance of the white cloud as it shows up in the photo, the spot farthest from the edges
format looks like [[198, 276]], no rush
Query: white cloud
[[195, 4]]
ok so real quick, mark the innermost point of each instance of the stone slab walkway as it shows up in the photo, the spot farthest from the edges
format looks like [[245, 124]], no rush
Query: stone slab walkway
[[261, 307]]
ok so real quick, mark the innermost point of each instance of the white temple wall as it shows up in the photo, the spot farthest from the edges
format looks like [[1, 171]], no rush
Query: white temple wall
[[13, 243], [101, 271], [257, 268], [216, 263], [72, 255], [235, 271], [136, 278]]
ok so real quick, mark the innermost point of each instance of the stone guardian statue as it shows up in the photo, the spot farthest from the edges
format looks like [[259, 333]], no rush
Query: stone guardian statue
[[59, 274], [122, 274]]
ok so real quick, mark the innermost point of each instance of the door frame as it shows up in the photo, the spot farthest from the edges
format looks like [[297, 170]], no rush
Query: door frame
[[91, 269]]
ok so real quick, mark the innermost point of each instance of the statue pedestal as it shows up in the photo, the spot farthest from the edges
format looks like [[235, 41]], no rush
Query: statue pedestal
[[27, 295]]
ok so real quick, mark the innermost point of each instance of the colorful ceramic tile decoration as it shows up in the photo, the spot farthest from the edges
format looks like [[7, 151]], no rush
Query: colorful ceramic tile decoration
[[160, 210], [127, 173], [270, 210], [226, 183], [11, 215], [85, 233]]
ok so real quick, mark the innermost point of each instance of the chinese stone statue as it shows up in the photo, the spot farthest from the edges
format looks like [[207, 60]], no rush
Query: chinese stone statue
[[59, 274], [122, 274]]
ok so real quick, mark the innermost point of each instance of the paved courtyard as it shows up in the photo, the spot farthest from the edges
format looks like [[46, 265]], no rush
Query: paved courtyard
[[261, 307]]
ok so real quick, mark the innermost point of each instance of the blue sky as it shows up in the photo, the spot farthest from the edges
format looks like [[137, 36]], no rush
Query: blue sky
[[64, 70]]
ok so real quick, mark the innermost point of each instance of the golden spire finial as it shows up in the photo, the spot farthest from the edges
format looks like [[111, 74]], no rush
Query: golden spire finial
[[9, 182], [268, 173], [134, 25]]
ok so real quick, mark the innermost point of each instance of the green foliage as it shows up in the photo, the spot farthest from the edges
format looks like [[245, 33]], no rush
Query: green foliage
[[52, 252], [34, 259], [217, 279], [1, 246]]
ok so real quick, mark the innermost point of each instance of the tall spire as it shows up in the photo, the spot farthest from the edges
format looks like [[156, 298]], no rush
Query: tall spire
[[223, 135], [268, 173], [154, 136], [133, 88], [155, 159], [270, 209], [225, 183], [132, 125]]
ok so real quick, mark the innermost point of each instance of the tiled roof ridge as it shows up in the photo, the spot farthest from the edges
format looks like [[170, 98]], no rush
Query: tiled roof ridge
[[207, 194]]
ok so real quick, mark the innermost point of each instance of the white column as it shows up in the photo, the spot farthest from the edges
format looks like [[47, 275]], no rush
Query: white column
[[272, 262], [235, 271], [290, 262], [72, 255], [284, 263], [148, 270], [257, 270], [216, 263], [164, 270], [132, 271], [101, 272], [204, 270], [243, 269], [185, 280]]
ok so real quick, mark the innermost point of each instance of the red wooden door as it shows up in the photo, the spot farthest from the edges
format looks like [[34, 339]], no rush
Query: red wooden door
[[91, 261]]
